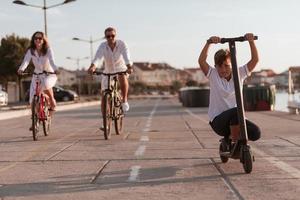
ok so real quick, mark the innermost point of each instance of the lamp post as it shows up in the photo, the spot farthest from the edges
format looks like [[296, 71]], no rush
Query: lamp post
[[91, 41], [77, 60], [44, 7]]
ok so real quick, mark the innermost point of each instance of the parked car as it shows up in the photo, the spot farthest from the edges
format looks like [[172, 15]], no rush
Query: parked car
[[3, 98], [61, 94]]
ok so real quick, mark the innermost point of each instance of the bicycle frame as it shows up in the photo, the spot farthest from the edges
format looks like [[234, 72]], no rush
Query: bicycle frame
[[39, 108], [111, 105], [39, 94], [112, 90], [237, 87]]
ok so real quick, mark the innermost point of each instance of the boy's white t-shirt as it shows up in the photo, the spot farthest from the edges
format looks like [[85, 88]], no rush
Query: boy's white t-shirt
[[222, 93]]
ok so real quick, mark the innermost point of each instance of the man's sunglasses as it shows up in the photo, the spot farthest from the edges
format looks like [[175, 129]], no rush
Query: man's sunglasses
[[110, 36]]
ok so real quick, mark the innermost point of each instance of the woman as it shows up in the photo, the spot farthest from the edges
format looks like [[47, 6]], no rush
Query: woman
[[42, 57]]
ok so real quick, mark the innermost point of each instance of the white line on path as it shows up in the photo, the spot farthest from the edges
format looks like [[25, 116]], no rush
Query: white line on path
[[149, 120], [140, 151], [146, 129], [278, 163], [148, 125], [134, 173], [144, 138]]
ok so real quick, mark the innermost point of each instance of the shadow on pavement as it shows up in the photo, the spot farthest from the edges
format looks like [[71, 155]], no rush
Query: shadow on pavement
[[118, 179]]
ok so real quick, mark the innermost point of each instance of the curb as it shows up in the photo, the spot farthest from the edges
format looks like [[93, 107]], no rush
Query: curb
[[26, 112]]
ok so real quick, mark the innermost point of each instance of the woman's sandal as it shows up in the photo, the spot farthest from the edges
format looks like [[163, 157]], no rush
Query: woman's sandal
[[52, 109]]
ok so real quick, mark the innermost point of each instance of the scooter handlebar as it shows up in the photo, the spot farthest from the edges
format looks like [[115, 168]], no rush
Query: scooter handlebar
[[236, 39]]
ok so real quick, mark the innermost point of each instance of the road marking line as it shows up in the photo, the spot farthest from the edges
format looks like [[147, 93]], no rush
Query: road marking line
[[60, 151], [226, 180], [126, 136], [196, 116], [230, 188], [144, 138], [134, 173], [94, 178], [140, 151], [146, 130], [278, 163]]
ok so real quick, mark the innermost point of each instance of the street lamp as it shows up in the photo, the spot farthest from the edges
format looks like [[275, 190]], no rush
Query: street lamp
[[77, 59], [42, 7], [91, 41]]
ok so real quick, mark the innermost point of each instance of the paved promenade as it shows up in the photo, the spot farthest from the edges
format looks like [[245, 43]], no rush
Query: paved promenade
[[166, 152]]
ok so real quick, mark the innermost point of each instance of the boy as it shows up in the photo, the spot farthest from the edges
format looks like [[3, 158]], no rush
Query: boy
[[222, 110]]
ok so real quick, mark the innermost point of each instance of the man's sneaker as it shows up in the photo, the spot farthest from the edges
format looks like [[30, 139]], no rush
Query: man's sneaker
[[125, 106]]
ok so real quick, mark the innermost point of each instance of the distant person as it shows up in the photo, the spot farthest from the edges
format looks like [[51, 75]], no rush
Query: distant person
[[222, 112], [41, 55], [116, 59]]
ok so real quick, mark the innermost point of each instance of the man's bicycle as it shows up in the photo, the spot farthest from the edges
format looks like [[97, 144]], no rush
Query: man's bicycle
[[112, 105], [40, 113]]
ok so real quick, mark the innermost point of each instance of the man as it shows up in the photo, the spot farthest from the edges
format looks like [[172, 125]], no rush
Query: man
[[222, 104], [116, 59]]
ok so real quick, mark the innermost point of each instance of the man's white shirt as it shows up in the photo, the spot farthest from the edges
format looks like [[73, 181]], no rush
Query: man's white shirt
[[114, 61], [222, 93]]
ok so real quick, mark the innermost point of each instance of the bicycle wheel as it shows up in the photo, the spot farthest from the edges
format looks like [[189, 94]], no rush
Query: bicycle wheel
[[247, 159], [47, 120], [106, 115], [34, 118], [118, 117]]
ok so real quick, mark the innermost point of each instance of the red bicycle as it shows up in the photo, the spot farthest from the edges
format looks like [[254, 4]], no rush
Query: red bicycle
[[40, 113]]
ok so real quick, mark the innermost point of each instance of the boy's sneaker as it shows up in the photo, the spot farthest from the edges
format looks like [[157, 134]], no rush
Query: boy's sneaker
[[125, 106], [225, 145], [237, 152]]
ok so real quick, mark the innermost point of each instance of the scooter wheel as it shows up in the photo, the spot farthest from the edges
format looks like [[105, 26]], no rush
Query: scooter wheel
[[222, 149], [247, 159]]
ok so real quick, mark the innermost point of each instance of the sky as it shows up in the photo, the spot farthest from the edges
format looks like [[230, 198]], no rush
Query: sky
[[171, 31]]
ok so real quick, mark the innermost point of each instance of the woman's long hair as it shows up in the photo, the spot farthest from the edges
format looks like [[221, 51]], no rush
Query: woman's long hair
[[45, 45]]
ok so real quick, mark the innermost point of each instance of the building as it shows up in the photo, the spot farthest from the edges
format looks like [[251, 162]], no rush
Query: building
[[197, 75], [162, 74], [295, 76], [265, 76], [153, 74], [66, 77]]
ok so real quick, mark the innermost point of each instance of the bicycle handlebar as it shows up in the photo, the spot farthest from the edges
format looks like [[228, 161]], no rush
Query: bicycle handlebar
[[236, 39], [108, 74], [44, 72]]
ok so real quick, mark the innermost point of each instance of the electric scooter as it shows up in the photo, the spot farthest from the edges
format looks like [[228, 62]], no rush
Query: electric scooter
[[240, 149]]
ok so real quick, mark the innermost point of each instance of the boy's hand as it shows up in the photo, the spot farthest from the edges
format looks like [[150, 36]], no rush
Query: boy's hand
[[214, 40], [91, 69], [249, 37], [20, 72]]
